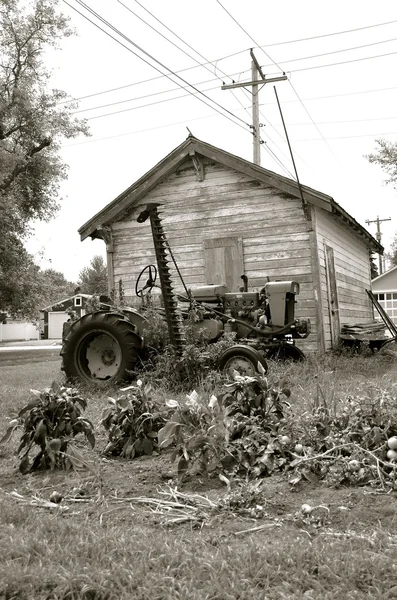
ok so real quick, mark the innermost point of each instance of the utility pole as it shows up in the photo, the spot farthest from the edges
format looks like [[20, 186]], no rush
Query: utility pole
[[256, 72], [378, 236]]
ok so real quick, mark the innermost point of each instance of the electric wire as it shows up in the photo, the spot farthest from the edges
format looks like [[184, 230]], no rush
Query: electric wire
[[151, 65], [289, 81], [344, 62], [246, 33], [324, 35], [104, 21], [207, 62]]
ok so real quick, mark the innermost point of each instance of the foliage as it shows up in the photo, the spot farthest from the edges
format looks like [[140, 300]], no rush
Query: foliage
[[94, 279], [392, 254], [51, 420], [238, 431], [347, 446], [385, 156], [196, 364], [54, 287], [33, 121], [132, 422], [373, 266]]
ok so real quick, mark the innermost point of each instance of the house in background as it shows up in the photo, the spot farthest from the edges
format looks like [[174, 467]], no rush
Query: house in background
[[225, 217], [384, 288], [53, 317]]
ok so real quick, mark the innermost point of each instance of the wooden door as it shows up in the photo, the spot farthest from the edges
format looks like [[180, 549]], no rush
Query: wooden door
[[224, 262], [333, 304]]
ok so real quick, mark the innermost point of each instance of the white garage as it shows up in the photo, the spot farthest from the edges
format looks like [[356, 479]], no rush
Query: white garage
[[53, 317], [55, 324]]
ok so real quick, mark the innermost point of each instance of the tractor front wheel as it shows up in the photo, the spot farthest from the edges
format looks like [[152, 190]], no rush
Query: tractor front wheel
[[242, 359], [101, 348]]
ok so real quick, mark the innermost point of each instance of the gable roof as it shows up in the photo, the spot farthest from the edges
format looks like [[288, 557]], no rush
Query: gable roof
[[384, 275], [94, 227], [65, 300]]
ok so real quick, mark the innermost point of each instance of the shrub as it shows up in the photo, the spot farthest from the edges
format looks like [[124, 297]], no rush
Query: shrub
[[239, 431], [51, 420], [132, 422]]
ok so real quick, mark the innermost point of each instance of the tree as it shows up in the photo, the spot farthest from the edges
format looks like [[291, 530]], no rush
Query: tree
[[54, 287], [386, 156], [33, 121], [94, 279], [374, 267]]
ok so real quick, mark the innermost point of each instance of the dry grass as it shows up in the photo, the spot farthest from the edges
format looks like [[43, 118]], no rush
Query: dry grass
[[100, 550]]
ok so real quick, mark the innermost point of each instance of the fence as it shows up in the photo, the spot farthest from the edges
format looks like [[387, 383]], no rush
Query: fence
[[18, 331]]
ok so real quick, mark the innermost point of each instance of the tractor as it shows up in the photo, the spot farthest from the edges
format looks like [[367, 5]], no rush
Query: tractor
[[105, 346]]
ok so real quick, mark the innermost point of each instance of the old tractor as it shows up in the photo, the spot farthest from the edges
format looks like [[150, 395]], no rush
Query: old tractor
[[105, 346]]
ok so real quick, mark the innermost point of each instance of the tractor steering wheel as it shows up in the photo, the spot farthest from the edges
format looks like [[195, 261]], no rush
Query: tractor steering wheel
[[150, 282]]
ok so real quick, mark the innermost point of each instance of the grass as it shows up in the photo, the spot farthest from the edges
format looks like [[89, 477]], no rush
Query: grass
[[104, 550]]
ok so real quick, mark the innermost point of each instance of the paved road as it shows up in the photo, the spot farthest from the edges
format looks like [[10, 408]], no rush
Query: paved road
[[18, 355], [28, 348]]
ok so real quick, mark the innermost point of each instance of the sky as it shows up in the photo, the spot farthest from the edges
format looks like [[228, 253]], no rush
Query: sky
[[147, 72]]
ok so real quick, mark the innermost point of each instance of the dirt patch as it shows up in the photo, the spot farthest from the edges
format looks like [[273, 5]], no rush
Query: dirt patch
[[109, 493]]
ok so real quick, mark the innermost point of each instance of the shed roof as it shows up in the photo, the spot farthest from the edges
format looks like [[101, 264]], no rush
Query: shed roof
[[114, 210], [385, 277], [65, 300]]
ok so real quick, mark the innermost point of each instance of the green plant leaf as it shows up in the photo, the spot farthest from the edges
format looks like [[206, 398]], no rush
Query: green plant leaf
[[8, 434], [90, 437], [147, 446], [55, 389], [24, 465], [40, 433], [29, 406], [183, 466], [167, 434]]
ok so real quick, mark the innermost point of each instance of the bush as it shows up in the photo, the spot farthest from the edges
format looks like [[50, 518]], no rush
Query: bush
[[51, 421], [132, 422], [178, 372]]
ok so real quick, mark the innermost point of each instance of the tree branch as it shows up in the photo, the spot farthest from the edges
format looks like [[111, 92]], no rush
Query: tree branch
[[23, 165]]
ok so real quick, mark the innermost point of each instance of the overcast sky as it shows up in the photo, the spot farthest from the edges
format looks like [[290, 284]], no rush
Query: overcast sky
[[341, 95]]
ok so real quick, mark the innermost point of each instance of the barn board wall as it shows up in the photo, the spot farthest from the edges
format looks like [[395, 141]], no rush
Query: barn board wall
[[352, 267], [226, 203]]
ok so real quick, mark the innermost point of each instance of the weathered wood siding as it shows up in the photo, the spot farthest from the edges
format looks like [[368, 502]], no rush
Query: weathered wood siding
[[271, 226], [352, 269]]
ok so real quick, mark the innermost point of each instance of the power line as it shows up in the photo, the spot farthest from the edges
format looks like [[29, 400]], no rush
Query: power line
[[246, 33], [152, 58], [345, 62], [287, 61], [147, 96], [175, 45], [324, 35]]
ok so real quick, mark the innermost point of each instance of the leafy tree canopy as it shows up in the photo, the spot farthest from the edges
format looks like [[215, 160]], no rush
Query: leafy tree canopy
[[33, 121], [94, 279], [386, 156]]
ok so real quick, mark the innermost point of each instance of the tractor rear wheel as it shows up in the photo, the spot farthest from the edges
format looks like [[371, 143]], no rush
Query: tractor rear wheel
[[101, 348], [242, 359], [287, 352]]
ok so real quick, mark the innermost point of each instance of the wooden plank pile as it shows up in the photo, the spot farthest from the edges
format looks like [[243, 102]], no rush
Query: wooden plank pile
[[360, 331]]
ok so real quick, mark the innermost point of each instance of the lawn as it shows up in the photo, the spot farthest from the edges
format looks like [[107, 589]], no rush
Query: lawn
[[112, 542]]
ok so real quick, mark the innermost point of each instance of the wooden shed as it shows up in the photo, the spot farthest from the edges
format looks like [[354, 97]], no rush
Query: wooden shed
[[53, 317], [224, 217]]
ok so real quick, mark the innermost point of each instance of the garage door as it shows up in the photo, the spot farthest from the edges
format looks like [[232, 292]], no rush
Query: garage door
[[55, 324]]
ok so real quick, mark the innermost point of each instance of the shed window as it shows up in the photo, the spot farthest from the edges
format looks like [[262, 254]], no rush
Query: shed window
[[388, 296], [78, 301], [381, 296]]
